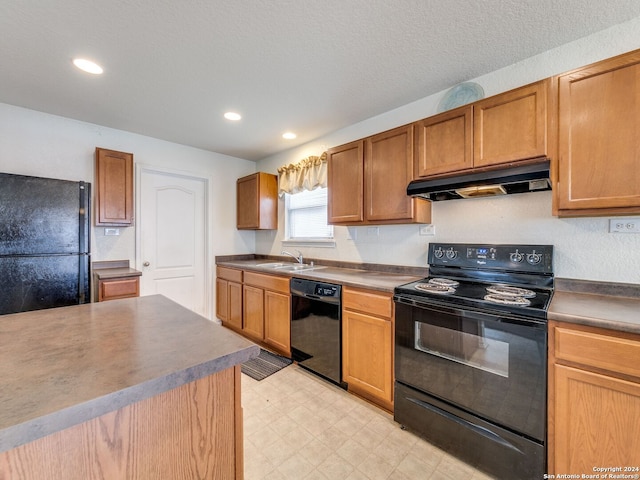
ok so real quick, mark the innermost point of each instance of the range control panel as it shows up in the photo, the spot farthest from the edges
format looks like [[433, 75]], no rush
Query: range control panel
[[524, 258]]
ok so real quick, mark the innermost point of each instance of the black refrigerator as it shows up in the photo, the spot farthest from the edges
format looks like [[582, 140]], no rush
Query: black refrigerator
[[44, 243]]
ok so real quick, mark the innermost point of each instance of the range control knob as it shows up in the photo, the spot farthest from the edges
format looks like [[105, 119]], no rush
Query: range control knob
[[534, 258], [516, 256], [451, 254], [438, 252]]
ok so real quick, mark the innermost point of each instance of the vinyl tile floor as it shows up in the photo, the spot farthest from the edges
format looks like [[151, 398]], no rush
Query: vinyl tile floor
[[300, 427]]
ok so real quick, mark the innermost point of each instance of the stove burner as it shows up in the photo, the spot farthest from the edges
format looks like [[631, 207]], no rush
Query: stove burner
[[507, 299], [507, 291], [445, 282], [434, 288]]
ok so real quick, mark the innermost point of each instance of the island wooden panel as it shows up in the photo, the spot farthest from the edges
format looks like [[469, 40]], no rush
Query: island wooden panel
[[190, 432]]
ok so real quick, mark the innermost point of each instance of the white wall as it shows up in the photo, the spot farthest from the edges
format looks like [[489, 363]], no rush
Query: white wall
[[35, 143], [583, 247]]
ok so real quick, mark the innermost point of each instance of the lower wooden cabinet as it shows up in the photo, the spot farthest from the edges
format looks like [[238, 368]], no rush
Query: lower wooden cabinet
[[229, 297], [367, 344], [277, 321], [253, 306], [594, 399], [256, 305], [115, 288]]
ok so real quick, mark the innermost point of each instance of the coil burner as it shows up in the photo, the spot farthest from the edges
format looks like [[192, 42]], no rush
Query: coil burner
[[508, 291], [434, 288], [507, 299], [445, 282]]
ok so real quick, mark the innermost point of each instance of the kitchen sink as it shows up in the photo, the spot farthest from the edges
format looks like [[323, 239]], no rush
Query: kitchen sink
[[289, 266]]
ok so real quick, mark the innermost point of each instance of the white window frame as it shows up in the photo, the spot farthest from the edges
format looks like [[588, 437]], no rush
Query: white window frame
[[328, 241]]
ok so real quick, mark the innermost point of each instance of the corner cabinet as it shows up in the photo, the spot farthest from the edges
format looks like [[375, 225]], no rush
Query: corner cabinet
[[594, 399], [367, 181], [509, 127], [257, 202], [367, 344], [598, 140], [114, 188]]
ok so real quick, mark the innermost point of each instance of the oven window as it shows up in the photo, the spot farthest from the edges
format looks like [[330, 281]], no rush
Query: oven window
[[474, 349]]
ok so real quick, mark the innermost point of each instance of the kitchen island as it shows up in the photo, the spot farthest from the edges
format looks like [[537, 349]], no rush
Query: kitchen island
[[135, 388]]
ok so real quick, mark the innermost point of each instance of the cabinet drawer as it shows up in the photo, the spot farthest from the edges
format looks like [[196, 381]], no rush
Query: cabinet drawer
[[591, 348], [229, 274], [268, 282], [376, 303], [118, 288]]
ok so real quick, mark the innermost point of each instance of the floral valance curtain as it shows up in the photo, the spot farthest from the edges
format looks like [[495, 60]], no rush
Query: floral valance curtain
[[308, 174]]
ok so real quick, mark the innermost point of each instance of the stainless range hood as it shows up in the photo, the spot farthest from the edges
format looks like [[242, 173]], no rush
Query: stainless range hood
[[503, 181]]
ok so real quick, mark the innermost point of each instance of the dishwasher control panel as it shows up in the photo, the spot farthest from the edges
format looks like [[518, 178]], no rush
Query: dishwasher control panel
[[314, 289]]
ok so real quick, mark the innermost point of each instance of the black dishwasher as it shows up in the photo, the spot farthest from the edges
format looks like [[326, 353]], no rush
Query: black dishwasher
[[316, 328]]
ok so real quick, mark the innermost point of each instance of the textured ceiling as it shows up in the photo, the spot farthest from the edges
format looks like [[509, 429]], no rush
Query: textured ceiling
[[172, 68]]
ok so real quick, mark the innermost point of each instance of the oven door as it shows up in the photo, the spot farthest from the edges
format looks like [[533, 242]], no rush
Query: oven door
[[490, 365]]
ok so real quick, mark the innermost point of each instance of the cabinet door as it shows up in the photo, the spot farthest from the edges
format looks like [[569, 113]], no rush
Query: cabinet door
[[114, 188], [345, 167], [222, 299], [234, 312], [367, 355], [253, 306], [596, 420], [388, 169], [511, 126], [444, 143], [257, 202], [598, 140], [248, 202], [277, 321]]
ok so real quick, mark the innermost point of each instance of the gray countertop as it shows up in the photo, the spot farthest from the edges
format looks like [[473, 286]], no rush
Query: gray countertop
[[596, 310], [107, 273], [62, 366], [600, 304], [353, 277]]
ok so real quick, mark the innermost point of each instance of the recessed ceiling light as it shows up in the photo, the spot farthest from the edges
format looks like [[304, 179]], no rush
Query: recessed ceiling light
[[232, 116], [88, 66], [289, 135]]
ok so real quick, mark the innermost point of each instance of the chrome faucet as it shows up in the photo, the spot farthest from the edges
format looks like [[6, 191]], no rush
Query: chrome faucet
[[298, 258]]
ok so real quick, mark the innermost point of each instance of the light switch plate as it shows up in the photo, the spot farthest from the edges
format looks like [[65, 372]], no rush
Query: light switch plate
[[111, 231]]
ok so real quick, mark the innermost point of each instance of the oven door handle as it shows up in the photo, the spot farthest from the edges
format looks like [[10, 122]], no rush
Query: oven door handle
[[470, 314], [467, 424]]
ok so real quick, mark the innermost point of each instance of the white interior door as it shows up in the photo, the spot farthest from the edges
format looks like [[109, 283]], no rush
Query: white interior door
[[172, 227]]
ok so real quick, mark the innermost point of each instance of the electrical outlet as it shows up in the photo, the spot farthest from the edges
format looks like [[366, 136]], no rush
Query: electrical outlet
[[111, 231], [624, 225], [428, 229]]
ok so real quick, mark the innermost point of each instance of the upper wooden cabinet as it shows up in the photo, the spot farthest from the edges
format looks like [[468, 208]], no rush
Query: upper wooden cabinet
[[598, 139], [444, 143], [257, 202], [345, 183], [114, 188], [511, 126], [505, 128], [368, 181]]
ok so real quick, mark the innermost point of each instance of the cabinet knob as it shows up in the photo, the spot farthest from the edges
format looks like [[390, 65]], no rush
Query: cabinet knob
[[146, 264]]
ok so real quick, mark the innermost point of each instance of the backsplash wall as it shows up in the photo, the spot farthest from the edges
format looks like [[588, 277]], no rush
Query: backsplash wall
[[583, 247]]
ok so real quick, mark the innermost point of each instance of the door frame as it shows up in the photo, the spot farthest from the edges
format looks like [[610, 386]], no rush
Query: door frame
[[141, 169]]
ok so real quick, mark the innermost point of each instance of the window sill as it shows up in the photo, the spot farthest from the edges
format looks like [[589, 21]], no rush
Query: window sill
[[320, 243]]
